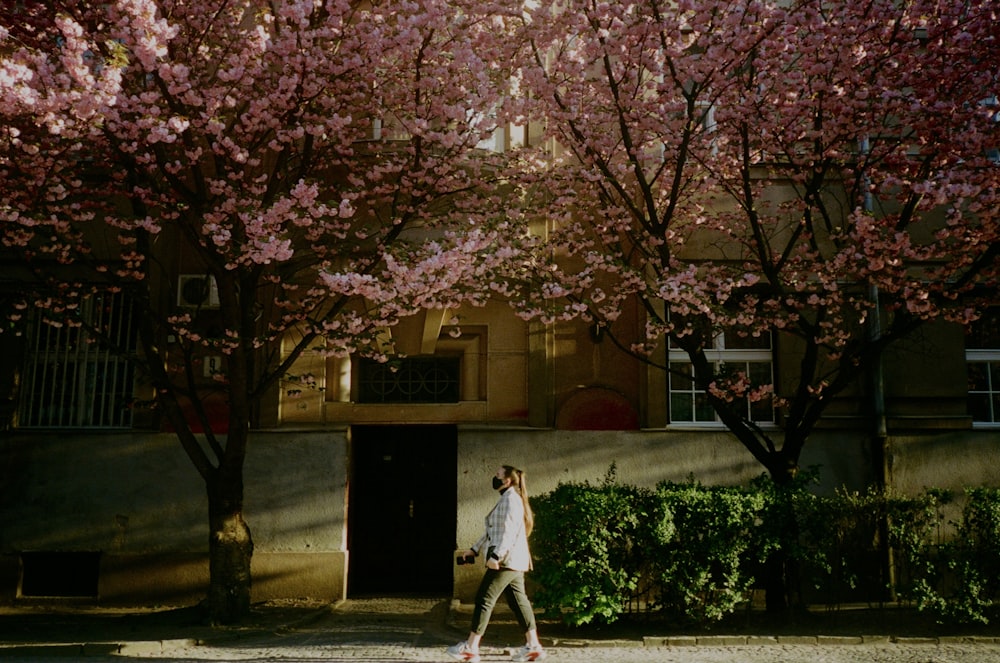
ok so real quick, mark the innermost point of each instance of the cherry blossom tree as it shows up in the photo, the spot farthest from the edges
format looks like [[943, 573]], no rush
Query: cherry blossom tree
[[823, 172], [759, 167], [324, 163]]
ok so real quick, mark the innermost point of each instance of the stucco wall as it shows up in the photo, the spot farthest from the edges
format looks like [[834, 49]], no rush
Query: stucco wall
[[641, 458], [121, 493], [138, 500], [953, 460]]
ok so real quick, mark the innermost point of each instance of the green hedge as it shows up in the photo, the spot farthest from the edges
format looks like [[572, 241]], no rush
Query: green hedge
[[958, 577], [702, 549], [589, 549], [694, 553]]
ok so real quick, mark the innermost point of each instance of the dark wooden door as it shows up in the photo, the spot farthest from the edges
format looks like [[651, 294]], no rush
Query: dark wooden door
[[402, 509]]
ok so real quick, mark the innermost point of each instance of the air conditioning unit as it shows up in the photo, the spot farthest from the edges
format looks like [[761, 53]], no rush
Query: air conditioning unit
[[197, 291]]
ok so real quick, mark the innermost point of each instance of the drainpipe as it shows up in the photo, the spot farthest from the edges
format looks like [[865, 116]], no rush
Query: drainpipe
[[880, 429], [880, 439], [877, 384]]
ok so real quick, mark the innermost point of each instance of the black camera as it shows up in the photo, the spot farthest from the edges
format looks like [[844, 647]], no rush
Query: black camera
[[462, 559]]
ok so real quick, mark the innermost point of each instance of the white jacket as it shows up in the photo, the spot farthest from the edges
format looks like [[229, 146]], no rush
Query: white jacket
[[505, 536]]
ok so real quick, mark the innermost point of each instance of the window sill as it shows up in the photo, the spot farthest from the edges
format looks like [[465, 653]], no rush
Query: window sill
[[712, 426], [408, 413]]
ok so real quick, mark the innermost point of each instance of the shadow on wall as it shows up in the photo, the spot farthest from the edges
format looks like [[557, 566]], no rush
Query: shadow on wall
[[139, 493], [136, 503], [952, 460], [107, 492], [645, 458]]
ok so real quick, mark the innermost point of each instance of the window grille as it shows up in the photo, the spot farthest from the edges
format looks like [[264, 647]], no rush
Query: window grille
[[982, 362], [409, 380], [78, 376], [731, 354]]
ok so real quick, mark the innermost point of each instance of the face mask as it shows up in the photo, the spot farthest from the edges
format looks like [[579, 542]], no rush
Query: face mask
[[497, 483]]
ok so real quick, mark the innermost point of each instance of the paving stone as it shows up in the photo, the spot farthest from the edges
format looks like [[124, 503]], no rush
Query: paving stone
[[839, 640], [909, 640], [876, 639], [722, 640]]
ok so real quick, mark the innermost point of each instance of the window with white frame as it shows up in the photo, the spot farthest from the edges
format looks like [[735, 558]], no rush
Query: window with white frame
[[992, 108], [982, 362], [731, 354], [78, 376]]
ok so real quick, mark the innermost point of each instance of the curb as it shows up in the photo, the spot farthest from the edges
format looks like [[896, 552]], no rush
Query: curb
[[818, 640], [458, 614], [134, 648]]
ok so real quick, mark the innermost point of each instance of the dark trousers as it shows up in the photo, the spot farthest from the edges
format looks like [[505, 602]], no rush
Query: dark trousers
[[511, 585]]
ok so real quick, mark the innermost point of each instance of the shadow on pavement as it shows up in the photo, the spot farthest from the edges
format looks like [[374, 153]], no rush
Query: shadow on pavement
[[431, 621]]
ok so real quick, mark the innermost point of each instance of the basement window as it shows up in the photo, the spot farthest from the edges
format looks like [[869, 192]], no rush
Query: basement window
[[46, 574]]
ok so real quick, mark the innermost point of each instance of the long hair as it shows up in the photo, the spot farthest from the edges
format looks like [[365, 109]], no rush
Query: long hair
[[516, 477]]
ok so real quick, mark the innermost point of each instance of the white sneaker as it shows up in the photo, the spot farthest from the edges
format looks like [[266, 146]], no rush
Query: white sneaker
[[527, 653], [461, 652]]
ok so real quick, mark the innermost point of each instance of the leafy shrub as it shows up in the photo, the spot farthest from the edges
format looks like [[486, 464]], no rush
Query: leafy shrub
[[697, 551], [976, 558], [703, 538], [959, 579], [914, 537], [587, 548], [842, 543]]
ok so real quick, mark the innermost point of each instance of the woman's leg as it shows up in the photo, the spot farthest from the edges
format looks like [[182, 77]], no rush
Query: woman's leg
[[518, 601], [494, 584]]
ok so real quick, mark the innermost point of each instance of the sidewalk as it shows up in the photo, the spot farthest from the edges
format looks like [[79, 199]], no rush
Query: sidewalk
[[422, 623]]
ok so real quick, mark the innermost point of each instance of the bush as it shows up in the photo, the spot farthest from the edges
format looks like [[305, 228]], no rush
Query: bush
[[975, 558], [602, 549], [958, 579], [694, 553], [842, 544], [587, 548], [702, 542], [914, 537]]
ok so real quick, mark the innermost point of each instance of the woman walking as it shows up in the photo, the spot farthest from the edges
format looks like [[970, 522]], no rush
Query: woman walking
[[505, 545]]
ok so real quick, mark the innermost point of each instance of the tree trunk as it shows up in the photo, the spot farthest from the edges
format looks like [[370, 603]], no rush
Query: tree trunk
[[781, 571], [230, 548]]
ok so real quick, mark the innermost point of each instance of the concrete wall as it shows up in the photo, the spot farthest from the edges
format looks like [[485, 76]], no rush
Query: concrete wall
[[137, 499], [953, 460], [641, 458]]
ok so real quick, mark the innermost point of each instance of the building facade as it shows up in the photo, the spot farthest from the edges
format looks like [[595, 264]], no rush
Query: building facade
[[380, 463]]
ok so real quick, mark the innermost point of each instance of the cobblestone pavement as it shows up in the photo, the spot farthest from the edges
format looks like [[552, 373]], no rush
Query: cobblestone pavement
[[300, 651], [416, 630], [395, 630]]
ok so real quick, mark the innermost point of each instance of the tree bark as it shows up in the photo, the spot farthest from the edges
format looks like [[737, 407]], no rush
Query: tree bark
[[230, 549], [781, 571]]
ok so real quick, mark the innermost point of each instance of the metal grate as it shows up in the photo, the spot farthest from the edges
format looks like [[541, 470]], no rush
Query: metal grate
[[409, 380], [79, 376]]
